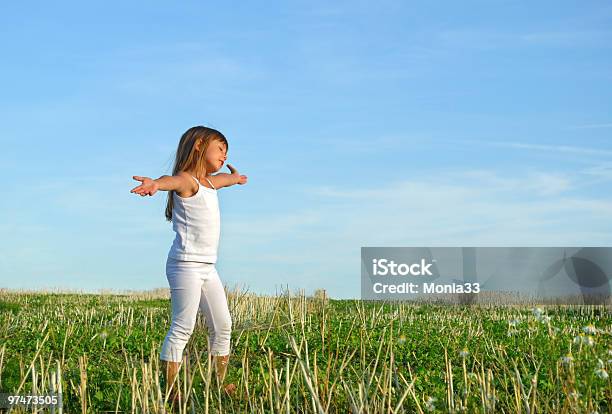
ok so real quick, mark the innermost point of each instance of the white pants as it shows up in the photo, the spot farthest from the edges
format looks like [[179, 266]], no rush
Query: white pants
[[193, 286]]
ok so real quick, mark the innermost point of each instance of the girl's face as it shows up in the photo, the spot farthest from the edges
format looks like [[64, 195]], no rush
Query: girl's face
[[216, 154]]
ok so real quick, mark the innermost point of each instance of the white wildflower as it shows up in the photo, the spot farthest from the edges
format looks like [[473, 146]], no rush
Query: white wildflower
[[543, 319], [513, 322], [590, 330], [464, 353], [540, 316], [430, 403], [601, 373], [582, 339], [566, 360], [401, 340]]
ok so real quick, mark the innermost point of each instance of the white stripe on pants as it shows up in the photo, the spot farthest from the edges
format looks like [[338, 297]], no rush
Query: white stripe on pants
[[193, 286]]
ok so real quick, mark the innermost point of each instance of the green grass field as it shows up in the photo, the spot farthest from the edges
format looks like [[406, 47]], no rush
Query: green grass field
[[300, 354]]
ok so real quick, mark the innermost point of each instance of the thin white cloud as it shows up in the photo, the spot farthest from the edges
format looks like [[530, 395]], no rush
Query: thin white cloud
[[592, 126], [600, 172], [494, 39], [471, 183], [375, 143], [597, 171], [537, 183], [566, 37], [575, 150]]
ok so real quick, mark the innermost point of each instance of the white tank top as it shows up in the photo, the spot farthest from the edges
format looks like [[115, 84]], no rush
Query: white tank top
[[196, 221]]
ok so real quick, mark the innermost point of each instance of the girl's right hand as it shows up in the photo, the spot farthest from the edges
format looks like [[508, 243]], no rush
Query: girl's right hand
[[148, 186]]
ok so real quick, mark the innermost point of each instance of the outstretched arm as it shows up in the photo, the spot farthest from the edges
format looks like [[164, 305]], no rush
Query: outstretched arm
[[225, 180], [164, 183]]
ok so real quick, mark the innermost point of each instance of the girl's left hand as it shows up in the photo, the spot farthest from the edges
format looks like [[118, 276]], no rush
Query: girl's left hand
[[241, 179]]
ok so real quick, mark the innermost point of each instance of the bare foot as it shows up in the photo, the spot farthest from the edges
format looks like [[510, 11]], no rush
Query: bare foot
[[174, 399]]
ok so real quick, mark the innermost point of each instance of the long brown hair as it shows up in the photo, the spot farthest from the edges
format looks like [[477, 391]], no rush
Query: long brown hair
[[188, 158]]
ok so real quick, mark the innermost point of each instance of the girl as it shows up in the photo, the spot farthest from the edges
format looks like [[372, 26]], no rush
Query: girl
[[190, 269]]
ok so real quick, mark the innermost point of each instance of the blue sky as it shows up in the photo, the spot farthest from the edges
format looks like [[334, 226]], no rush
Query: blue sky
[[482, 123]]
